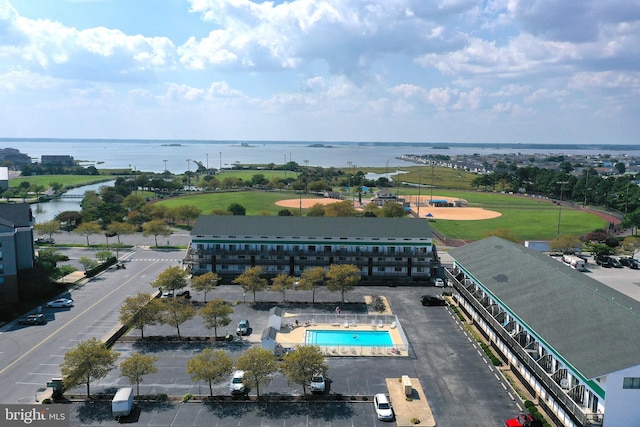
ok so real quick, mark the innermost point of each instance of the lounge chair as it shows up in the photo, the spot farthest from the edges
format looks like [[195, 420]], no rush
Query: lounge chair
[[346, 323], [393, 325]]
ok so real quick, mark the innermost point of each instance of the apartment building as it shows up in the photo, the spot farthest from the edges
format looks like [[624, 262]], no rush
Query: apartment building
[[16, 247]]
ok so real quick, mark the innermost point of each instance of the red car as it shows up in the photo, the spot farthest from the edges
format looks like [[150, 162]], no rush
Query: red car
[[523, 420]]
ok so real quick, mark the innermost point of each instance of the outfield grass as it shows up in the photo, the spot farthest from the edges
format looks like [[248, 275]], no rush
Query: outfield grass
[[524, 217], [255, 202], [246, 175]]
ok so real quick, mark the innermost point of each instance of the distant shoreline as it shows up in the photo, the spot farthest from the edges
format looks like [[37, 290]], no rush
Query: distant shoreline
[[437, 145]]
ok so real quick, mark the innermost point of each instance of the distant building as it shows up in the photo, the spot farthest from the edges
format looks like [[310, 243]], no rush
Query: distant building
[[12, 156], [16, 247], [57, 160], [383, 197], [4, 178]]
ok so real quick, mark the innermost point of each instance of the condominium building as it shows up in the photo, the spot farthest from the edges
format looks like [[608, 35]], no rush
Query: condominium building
[[384, 249], [571, 340], [16, 247]]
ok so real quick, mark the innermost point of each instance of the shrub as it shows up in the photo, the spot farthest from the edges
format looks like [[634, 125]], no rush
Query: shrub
[[365, 398], [46, 401], [162, 397], [528, 404], [415, 420], [187, 397]]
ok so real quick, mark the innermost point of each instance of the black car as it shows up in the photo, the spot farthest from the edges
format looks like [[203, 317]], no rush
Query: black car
[[630, 262], [604, 261], [615, 263], [432, 300], [33, 319]]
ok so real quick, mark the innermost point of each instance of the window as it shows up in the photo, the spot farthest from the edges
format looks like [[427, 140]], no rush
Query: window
[[312, 248], [631, 382], [381, 269], [397, 269], [327, 248]]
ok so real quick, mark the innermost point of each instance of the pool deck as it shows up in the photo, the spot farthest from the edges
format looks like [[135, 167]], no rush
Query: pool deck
[[296, 336]]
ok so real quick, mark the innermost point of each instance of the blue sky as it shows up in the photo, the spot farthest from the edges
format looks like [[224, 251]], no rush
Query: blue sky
[[530, 71]]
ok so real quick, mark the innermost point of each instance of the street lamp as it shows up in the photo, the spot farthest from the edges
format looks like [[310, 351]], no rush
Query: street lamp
[[188, 174], [562, 183], [165, 165], [419, 193]]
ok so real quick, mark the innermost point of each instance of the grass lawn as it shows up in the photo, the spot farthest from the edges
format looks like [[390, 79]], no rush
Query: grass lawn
[[526, 218], [65, 180], [255, 202], [246, 175]]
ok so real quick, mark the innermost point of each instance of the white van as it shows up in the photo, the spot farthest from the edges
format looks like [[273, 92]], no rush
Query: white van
[[383, 408], [237, 383]]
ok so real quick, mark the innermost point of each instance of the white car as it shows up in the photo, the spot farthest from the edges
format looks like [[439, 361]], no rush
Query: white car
[[317, 384], [60, 302], [237, 383], [384, 411], [439, 283]]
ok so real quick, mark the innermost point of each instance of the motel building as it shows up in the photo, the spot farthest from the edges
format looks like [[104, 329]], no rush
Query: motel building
[[572, 341], [386, 250]]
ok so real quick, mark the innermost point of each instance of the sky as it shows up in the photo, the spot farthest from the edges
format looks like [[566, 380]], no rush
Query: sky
[[501, 71]]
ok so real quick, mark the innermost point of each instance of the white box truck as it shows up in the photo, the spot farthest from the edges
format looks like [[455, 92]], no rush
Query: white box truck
[[575, 262], [122, 402]]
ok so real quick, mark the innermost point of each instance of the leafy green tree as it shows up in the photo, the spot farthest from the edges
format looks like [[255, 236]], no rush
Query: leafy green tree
[[206, 282], [342, 278], [258, 364], [344, 208], [251, 281], [176, 311], [631, 244], [311, 280], [89, 360], [87, 263], [237, 209], [632, 220], [216, 313], [392, 210], [316, 210], [566, 244], [211, 366], [502, 233], [87, 229], [302, 363], [598, 249], [282, 283], [156, 228], [136, 366], [120, 229], [48, 228], [140, 310], [171, 278], [187, 213]]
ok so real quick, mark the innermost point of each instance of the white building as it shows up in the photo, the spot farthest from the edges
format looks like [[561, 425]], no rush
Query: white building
[[573, 341]]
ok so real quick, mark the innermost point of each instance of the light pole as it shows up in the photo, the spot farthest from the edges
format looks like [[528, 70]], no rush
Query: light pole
[[165, 165], [188, 174], [207, 162], [431, 197], [349, 163], [419, 193], [562, 183], [221, 161]]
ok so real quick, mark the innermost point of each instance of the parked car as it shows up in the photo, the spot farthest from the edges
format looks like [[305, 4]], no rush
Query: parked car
[[179, 294], [237, 383], [432, 300], [439, 283], [317, 385], [60, 302], [45, 240], [615, 263], [383, 408], [243, 327], [603, 261], [630, 262], [523, 420], [33, 319]]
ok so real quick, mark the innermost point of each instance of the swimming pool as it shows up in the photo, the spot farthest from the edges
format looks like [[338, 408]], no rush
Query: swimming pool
[[350, 338]]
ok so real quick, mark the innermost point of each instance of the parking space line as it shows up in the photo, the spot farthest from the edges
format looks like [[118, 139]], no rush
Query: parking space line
[[497, 377]]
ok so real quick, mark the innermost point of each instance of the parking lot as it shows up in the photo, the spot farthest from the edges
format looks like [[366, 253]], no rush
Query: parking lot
[[461, 386]]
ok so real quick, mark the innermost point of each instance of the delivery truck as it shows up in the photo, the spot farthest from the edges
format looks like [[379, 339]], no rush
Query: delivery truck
[[575, 262], [122, 402]]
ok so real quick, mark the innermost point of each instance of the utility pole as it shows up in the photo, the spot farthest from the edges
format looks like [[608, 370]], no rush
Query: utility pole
[[562, 183], [419, 193]]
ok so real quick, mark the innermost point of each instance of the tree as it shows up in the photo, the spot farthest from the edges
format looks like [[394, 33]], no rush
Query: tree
[[302, 363], [311, 279], [316, 210], [342, 278], [211, 366], [205, 283], [102, 256], [137, 365], [599, 249], [48, 228], [258, 364], [87, 263], [87, 229], [171, 279], [120, 229], [89, 360], [251, 281], [392, 210], [140, 310], [237, 209], [632, 219], [156, 228], [187, 213], [281, 283], [631, 244], [177, 311], [566, 244], [216, 313], [344, 208]]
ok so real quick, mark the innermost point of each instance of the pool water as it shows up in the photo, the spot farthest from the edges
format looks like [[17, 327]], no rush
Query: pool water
[[352, 338]]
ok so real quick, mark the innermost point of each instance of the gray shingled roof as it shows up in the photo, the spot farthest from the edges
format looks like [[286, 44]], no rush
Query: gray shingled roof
[[15, 214], [593, 327], [311, 226]]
